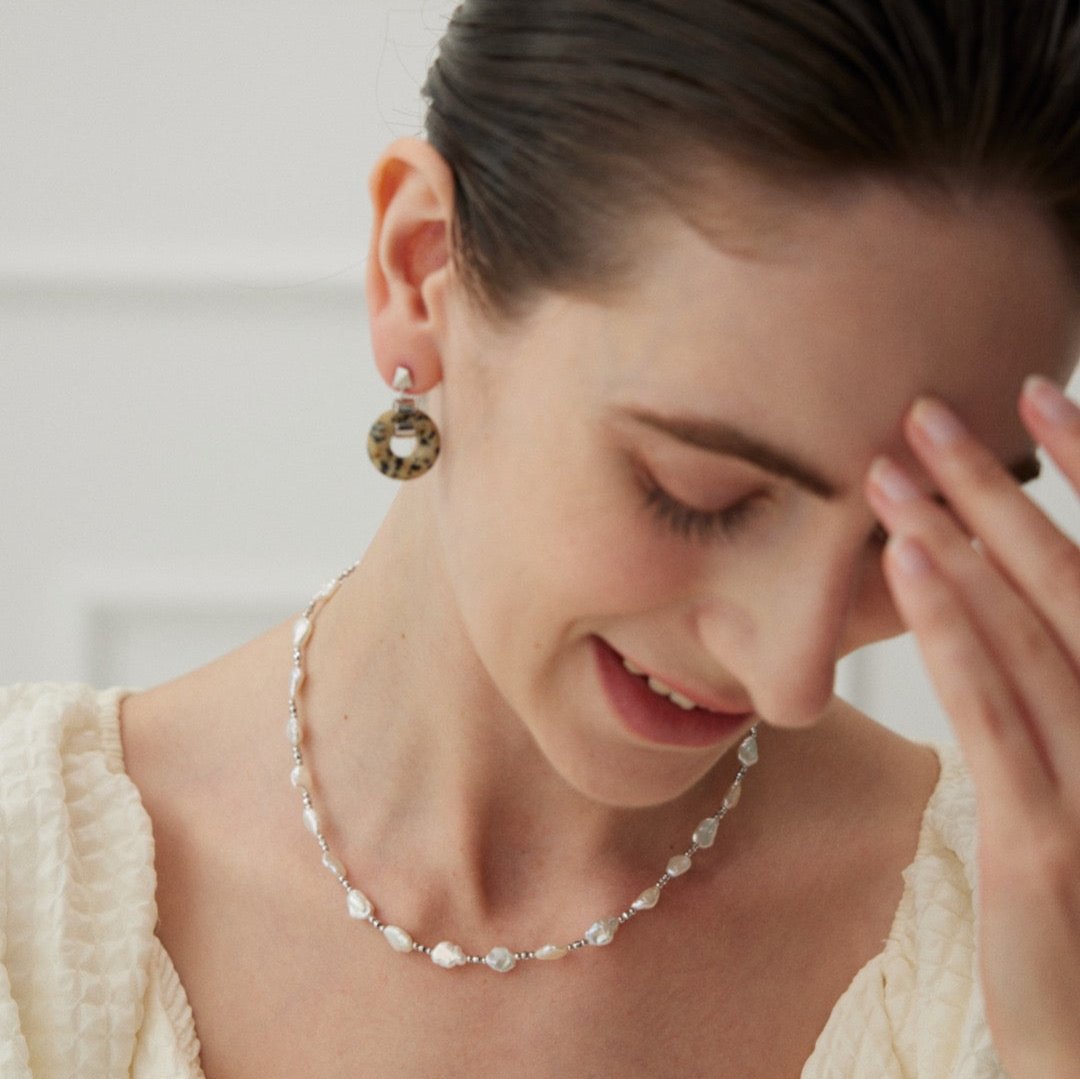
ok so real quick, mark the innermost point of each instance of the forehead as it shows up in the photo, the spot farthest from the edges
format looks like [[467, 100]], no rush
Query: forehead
[[826, 318]]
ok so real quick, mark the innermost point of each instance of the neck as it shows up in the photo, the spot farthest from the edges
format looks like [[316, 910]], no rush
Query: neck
[[416, 752]]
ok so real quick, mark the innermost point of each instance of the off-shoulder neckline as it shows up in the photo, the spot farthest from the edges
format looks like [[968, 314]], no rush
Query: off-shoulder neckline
[[950, 771]]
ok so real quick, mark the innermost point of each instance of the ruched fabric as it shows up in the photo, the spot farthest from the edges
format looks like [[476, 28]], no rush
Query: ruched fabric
[[915, 1011], [86, 988]]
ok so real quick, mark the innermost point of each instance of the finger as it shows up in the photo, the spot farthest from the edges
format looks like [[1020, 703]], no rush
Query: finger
[[984, 711], [1029, 659], [1054, 421], [1034, 554]]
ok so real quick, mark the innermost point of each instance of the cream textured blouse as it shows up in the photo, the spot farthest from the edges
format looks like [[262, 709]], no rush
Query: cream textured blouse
[[88, 990]]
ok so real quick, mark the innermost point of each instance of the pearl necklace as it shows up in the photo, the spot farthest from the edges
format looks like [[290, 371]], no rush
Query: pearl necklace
[[446, 954]]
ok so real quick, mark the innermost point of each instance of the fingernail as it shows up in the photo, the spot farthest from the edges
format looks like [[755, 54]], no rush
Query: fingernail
[[892, 481], [938, 424], [1050, 402], [909, 556]]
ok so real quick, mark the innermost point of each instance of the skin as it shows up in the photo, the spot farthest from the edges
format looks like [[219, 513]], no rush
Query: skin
[[819, 341], [453, 711]]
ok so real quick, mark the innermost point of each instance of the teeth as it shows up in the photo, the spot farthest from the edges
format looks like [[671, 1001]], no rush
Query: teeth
[[664, 690], [661, 688], [683, 702]]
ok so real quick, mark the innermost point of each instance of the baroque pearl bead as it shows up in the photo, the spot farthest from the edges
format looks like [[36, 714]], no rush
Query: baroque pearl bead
[[359, 905], [301, 777], [296, 681], [705, 833], [500, 959], [731, 799], [551, 951], [397, 938], [748, 751], [679, 865], [301, 632], [447, 955], [647, 900], [333, 864], [311, 820], [602, 932], [292, 731]]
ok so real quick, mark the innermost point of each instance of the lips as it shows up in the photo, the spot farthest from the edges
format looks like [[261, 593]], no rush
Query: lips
[[656, 719]]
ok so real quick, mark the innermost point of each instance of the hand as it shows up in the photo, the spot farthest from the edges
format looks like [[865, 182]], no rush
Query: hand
[[998, 625]]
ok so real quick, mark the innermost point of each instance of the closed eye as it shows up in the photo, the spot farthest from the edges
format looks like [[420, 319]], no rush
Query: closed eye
[[703, 525]]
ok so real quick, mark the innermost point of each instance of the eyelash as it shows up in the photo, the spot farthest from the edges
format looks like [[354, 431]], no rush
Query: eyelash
[[722, 524], [692, 523]]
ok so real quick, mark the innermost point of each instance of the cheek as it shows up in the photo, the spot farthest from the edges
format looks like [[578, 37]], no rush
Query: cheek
[[553, 535], [631, 572], [607, 561], [560, 569]]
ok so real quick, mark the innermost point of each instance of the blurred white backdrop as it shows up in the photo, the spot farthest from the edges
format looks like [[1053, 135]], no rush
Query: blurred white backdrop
[[186, 378]]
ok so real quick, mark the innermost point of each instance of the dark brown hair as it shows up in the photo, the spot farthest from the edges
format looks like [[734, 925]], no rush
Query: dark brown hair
[[561, 119]]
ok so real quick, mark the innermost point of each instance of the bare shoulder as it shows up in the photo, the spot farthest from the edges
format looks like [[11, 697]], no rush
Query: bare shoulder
[[178, 735], [207, 753]]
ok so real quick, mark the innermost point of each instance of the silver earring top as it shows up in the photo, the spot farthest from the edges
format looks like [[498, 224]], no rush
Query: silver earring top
[[403, 381]]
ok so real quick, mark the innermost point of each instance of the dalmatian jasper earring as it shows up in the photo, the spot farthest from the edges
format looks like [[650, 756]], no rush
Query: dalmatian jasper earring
[[404, 420]]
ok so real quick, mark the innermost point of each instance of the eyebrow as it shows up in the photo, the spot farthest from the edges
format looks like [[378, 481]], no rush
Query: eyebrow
[[724, 438]]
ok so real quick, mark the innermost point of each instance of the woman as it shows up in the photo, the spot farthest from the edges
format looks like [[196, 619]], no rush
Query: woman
[[739, 322]]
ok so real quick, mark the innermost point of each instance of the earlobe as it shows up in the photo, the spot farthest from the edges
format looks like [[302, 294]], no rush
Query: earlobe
[[412, 193]]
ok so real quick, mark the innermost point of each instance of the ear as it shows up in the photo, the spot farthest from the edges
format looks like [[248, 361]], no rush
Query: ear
[[408, 268]]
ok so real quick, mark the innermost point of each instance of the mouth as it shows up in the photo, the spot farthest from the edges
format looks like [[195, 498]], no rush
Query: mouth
[[658, 713]]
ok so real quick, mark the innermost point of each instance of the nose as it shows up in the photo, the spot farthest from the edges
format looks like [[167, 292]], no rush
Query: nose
[[781, 631]]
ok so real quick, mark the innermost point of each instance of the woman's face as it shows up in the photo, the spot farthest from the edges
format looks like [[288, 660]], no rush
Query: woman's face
[[753, 384]]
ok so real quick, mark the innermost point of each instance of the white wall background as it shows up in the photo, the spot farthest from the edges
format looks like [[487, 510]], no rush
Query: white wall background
[[185, 373]]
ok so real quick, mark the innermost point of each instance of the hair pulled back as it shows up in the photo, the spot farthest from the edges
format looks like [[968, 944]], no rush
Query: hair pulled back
[[561, 119]]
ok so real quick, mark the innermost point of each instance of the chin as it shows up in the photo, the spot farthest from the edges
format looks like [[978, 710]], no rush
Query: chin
[[632, 777]]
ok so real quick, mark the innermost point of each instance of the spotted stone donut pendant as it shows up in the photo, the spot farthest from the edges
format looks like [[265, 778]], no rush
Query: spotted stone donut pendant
[[405, 421]]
